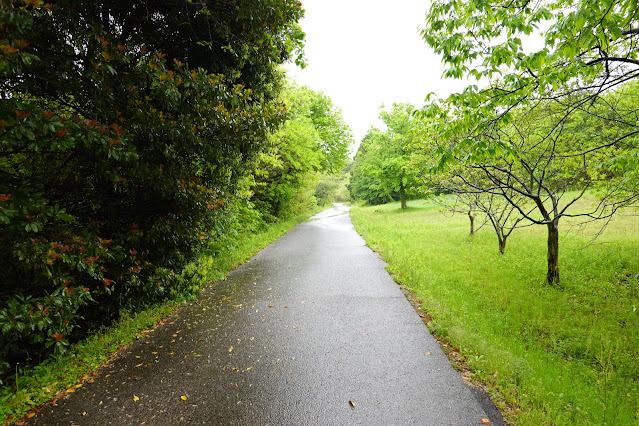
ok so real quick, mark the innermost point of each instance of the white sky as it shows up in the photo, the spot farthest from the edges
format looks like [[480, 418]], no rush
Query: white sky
[[363, 53]]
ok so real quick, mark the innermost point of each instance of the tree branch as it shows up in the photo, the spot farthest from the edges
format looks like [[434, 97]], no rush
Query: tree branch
[[612, 59]]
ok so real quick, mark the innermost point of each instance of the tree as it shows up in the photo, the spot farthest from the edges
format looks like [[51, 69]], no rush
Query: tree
[[471, 198], [380, 170], [362, 184], [589, 51], [126, 130], [541, 164], [465, 184]]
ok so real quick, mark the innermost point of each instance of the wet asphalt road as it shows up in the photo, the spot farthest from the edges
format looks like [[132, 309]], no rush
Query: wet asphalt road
[[311, 331]]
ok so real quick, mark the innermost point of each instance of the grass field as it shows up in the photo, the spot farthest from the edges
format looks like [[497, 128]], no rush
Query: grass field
[[564, 354]]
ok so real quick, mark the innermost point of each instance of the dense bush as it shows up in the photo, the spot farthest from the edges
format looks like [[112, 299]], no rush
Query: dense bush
[[125, 131]]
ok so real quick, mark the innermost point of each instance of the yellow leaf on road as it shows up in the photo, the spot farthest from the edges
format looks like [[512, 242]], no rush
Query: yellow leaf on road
[[183, 397], [135, 398]]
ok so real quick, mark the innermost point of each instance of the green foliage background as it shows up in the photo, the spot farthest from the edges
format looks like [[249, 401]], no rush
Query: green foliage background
[[135, 137]]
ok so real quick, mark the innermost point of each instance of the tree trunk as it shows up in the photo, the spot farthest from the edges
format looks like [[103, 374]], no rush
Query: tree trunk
[[502, 244], [553, 253], [472, 222], [402, 196]]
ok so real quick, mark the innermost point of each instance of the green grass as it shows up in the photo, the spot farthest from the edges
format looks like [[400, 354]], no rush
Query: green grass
[[565, 354], [58, 375]]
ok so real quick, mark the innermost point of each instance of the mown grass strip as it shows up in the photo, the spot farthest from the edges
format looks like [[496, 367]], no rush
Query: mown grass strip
[[61, 375], [566, 354]]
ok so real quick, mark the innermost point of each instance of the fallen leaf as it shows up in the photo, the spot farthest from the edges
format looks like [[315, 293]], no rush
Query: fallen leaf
[[486, 422], [352, 404], [249, 368], [427, 353], [231, 349], [70, 390], [140, 364], [183, 397], [135, 398], [78, 386], [84, 413], [31, 414]]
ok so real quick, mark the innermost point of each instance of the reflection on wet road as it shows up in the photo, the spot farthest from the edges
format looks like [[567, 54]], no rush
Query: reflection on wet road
[[312, 330]]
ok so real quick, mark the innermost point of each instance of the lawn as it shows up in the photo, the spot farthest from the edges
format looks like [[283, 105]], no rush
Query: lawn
[[561, 354]]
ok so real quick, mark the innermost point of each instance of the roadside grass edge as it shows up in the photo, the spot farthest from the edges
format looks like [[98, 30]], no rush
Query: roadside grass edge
[[61, 375]]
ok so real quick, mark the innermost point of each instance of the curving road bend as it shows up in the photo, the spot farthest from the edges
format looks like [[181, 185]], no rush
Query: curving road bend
[[311, 331]]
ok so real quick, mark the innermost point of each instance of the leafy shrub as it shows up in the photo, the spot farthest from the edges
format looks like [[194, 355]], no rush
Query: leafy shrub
[[120, 162]]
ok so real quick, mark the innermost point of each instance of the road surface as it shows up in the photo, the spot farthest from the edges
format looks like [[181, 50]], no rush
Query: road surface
[[311, 331]]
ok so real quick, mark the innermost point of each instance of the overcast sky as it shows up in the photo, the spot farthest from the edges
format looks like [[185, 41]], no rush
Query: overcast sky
[[364, 53]]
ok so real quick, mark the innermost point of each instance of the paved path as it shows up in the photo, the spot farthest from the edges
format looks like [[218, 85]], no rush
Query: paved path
[[311, 331]]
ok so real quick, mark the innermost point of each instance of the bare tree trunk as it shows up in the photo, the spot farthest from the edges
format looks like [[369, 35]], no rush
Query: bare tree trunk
[[553, 253], [502, 244], [472, 222]]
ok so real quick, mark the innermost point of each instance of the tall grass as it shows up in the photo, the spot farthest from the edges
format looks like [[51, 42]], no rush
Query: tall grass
[[563, 354]]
